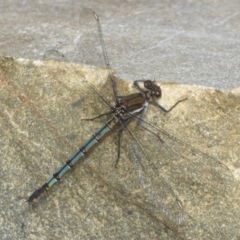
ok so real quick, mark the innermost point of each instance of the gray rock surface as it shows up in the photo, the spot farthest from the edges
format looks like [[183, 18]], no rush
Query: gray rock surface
[[193, 42]]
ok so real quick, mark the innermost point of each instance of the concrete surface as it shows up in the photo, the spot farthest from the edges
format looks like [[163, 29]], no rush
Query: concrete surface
[[193, 42]]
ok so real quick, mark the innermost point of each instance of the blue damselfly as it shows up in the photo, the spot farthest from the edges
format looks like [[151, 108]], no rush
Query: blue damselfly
[[184, 163]]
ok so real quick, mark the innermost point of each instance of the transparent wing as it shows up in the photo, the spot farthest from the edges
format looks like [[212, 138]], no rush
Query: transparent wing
[[173, 171], [162, 173], [87, 47], [138, 177]]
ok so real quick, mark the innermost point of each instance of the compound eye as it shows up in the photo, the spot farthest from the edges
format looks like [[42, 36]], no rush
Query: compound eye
[[158, 94], [147, 84]]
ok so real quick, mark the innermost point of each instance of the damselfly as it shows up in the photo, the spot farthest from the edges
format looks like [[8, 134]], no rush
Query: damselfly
[[166, 153], [125, 110]]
